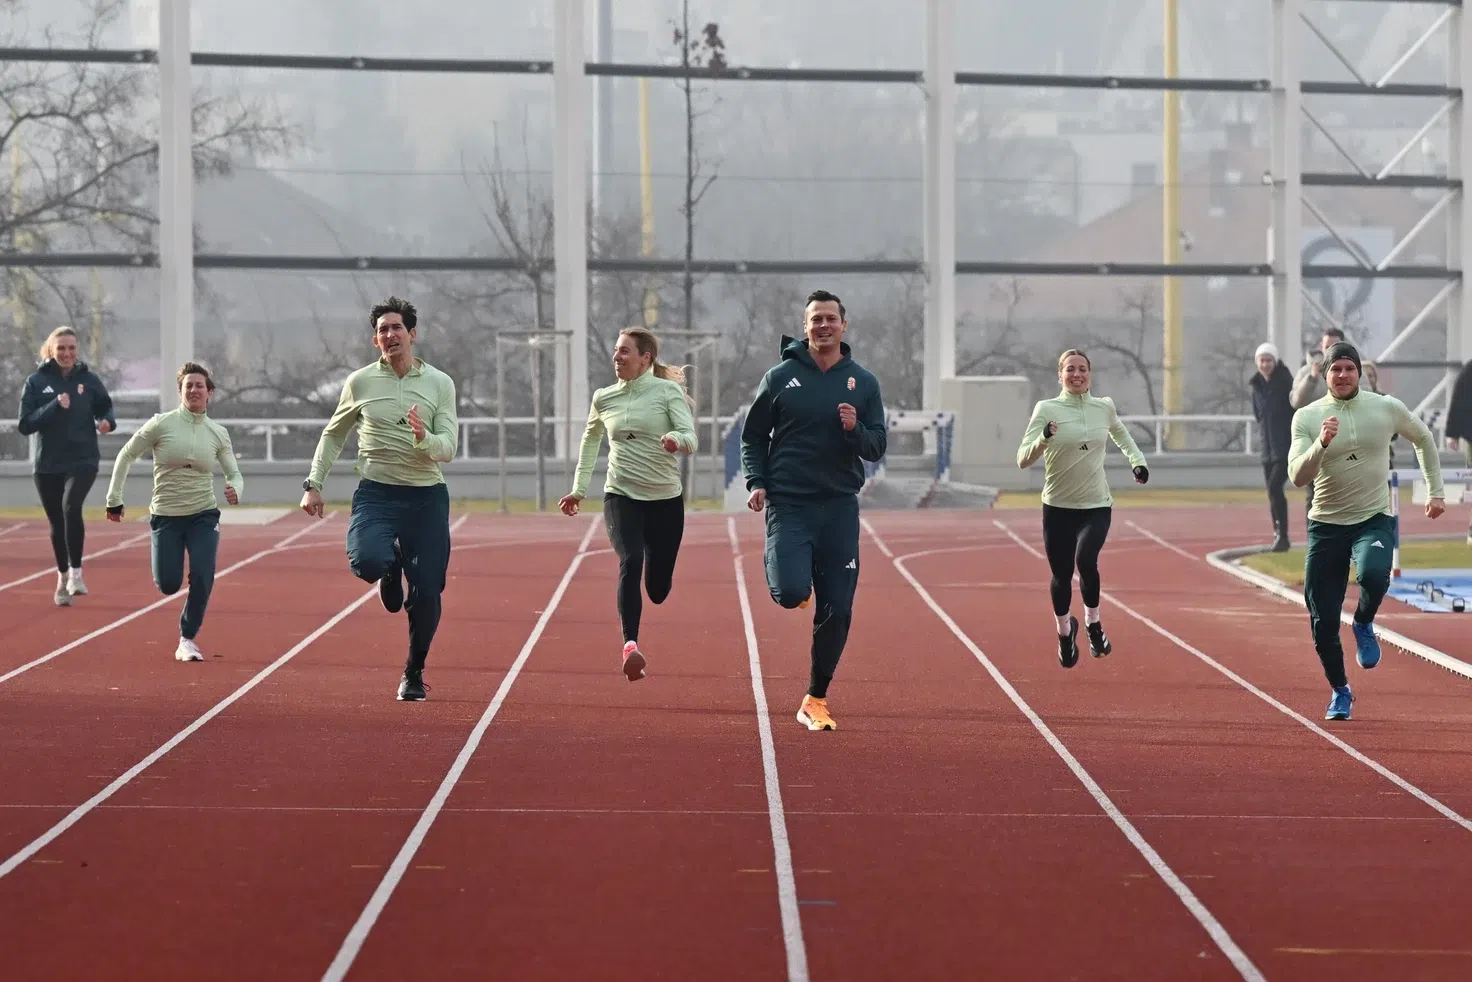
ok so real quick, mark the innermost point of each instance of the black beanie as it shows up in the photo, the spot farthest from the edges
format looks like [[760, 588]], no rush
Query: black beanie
[[1339, 350]]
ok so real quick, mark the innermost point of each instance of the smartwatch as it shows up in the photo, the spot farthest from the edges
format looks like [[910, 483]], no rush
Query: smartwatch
[[308, 486]]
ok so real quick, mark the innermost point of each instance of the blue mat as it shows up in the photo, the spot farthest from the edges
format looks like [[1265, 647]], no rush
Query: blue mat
[[1452, 583]]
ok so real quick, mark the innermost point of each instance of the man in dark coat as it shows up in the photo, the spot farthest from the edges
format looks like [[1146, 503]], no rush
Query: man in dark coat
[[1271, 405]]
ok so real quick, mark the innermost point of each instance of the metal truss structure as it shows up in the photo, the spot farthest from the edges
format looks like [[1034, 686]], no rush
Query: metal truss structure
[[1292, 24]]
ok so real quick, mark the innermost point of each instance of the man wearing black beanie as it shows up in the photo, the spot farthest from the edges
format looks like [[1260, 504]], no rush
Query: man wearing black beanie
[[1341, 442]]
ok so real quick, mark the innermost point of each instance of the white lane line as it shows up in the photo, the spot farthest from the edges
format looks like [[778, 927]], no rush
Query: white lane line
[[1192, 903], [792, 940], [358, 933]]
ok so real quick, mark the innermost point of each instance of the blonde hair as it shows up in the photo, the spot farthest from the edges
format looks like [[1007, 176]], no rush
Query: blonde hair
[[648, 344], [48, 347]]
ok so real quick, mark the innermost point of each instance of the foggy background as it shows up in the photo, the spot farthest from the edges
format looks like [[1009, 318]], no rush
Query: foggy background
[[360, 163]]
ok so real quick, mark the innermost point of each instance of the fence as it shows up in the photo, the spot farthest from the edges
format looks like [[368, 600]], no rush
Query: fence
[[294, 439]]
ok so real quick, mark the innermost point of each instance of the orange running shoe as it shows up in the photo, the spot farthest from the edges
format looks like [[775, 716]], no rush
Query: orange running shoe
[[814, 714]]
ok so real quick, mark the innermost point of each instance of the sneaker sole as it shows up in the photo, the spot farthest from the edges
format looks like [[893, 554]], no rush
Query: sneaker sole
[[807, 721], [179, 657], [634, 666], [404, 698]]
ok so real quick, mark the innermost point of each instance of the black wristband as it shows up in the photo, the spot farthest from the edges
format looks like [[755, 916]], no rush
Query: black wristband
[[115, 509]]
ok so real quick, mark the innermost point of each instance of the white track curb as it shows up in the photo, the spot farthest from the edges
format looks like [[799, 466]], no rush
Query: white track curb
[[1227, 560]]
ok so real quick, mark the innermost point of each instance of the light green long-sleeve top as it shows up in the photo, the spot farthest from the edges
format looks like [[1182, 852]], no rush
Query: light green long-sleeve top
[[378, 401], [1350, 475], [1074, 456], [185, 446], [637, 415]]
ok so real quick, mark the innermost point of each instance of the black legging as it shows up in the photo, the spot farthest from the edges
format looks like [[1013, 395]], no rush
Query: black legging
[[1073, 537], [62, 496], [646, 537]]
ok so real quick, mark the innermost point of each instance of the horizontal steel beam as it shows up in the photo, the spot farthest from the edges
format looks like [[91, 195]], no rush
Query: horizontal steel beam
[[1352, 271], [358, 63], [1130, 82], [1389, 88], [1418, 364], [1328, 179], [753, 267]]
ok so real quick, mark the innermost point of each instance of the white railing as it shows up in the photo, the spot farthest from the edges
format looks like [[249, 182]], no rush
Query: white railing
[[483, 437], [1158, 424], [269, 429]]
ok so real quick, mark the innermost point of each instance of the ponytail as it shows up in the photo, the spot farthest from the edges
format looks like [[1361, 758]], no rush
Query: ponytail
[[676, 374]]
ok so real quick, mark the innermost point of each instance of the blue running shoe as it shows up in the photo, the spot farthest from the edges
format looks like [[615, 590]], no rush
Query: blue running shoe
[[1339, 705], [1367, 649]]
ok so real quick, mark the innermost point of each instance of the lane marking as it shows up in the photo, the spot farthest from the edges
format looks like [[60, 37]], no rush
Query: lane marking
[[50, 570], [1376, 951], [787, 902], [363, 926], [1281, 707], [732, 812], [1225, 560], [1198, 910], [179, 597], [124, 779]]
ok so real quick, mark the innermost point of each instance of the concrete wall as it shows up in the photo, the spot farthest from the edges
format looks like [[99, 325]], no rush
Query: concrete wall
[[991, 415]]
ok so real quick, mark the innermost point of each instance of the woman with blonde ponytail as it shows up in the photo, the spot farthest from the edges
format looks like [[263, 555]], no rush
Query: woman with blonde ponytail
[[65, 405], [646, 416]]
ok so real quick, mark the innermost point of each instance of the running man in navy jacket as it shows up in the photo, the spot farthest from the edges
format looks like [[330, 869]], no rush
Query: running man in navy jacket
[[817, 416]]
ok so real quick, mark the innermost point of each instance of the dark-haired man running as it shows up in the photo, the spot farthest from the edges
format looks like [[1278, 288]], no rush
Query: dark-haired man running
[[816, 417], [400, 527]]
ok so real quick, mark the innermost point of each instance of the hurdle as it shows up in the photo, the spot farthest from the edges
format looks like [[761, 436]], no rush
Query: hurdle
[[1453, 481]]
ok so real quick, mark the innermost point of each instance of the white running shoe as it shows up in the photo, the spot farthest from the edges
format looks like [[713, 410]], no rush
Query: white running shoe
[[187, 651], [63, 596], [74, 584]]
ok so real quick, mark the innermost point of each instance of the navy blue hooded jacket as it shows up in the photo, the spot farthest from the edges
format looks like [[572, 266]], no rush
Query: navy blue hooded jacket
[[68, 437], [793, 442]]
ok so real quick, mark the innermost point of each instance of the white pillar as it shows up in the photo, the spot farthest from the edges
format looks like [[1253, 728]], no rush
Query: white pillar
[[603, 110], [175, 198], [940, 197], [1285, 300], [1459, 215], [569, 210]]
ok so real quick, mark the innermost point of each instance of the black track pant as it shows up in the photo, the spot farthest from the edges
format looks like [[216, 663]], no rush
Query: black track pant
[[1073, 537], [1331, 549], [645, 536], [404, 530], [812, 552], [62, 496], [1275, 475]]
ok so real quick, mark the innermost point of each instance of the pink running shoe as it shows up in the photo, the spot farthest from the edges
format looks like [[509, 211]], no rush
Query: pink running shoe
[[633, 662]]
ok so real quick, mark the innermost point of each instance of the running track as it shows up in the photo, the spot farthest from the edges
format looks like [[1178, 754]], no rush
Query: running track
[[1176, 810]]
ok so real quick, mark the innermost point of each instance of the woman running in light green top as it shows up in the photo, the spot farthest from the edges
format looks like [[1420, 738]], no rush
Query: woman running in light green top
[[1068, 432], [184, 515], [646, 415]]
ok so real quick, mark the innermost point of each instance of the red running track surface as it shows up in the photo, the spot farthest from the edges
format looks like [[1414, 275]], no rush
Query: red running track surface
[[1176, 810]]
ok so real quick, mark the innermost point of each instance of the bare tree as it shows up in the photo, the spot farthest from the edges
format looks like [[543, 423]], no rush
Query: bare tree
[[81, 153], [707, 51], [769, 306], [1140, 305], [1002, 346]]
